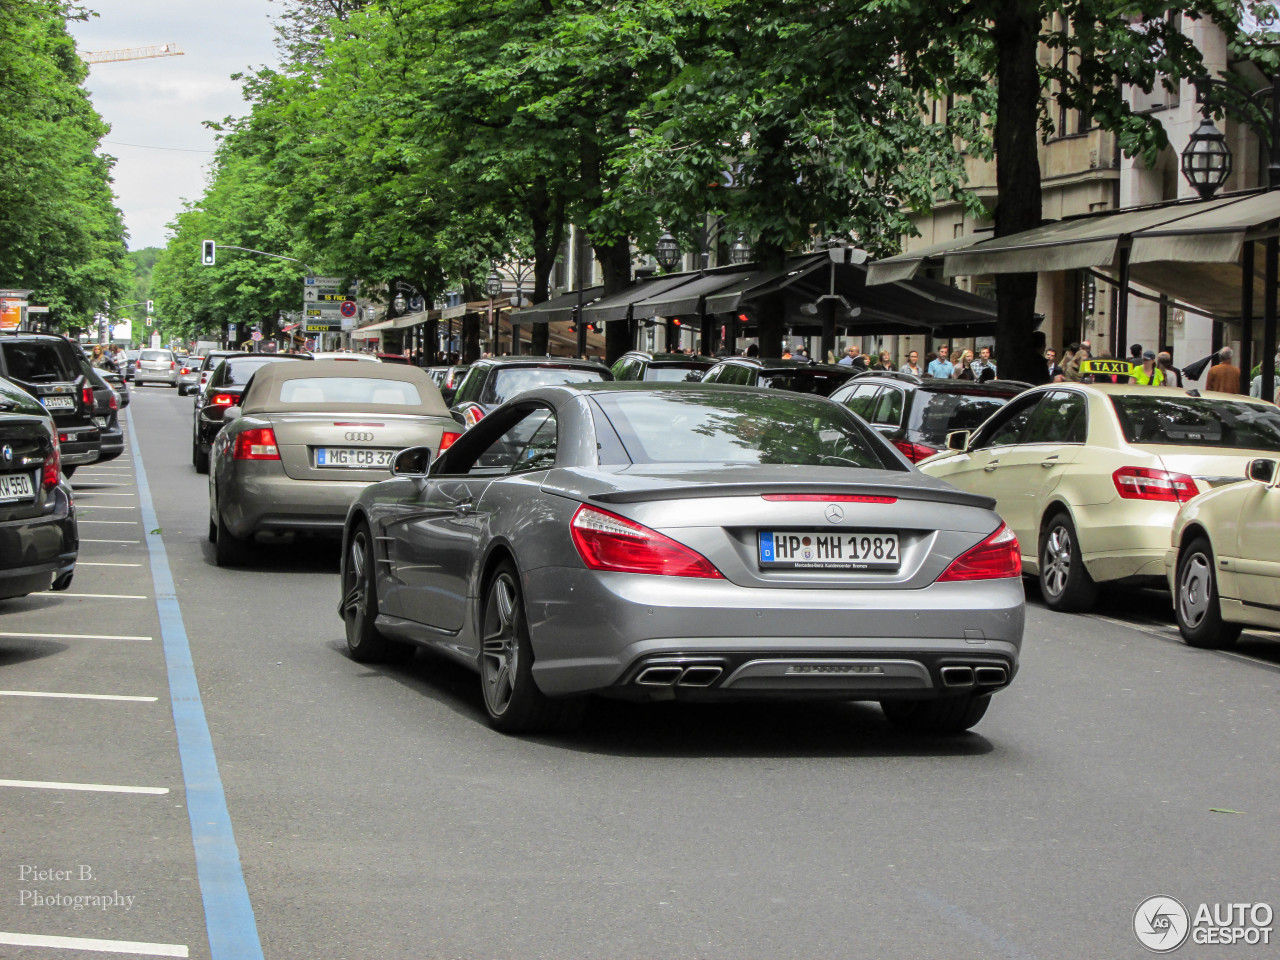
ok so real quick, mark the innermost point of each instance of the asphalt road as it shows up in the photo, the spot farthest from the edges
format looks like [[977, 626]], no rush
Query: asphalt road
[[377, 816]]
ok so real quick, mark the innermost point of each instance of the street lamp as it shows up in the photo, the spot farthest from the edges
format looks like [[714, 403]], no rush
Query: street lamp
[[667, 252], [399, 303], [493, 285], [1206, 160], [740, 252]]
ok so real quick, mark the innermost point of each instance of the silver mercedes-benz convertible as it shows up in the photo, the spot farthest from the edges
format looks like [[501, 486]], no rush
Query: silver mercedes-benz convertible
[[683, 541]]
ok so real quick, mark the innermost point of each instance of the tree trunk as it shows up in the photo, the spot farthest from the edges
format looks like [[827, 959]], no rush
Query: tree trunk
[[615, 263], [470, 337], [546, 219], [771, 309], [1017, 27]]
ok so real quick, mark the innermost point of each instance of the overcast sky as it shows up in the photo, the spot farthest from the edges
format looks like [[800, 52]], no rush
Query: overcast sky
[[163, 102]]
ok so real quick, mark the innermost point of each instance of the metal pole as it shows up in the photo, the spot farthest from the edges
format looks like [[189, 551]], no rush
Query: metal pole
[[1273, 167], [1122, 307], [493, 331], [1269, 318], [515, 326], [1246, 316]]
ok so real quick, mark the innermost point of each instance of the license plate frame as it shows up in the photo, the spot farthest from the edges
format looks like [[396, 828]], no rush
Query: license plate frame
[[837, 551], [54, 402], [347, 458], [22, 483]]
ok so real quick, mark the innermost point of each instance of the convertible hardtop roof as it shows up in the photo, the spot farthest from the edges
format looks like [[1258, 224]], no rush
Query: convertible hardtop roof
[[265, 394]]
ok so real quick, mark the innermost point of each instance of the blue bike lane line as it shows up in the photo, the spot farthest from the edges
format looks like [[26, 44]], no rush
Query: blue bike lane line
[[228, 912]]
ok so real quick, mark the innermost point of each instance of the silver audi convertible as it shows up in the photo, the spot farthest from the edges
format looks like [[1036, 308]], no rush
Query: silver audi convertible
[[680, 541]]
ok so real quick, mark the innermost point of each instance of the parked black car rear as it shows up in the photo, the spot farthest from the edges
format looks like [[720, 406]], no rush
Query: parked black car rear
[[493, 381], [223, 389], [49, 368]]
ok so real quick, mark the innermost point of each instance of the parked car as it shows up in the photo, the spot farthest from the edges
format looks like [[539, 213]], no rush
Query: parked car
[[491, 382], [676, 541], [49, 368], [117, 383], [106, 414], [210, 363], [133, 356], [345, 355], [189, 376], [448, 379], [1224, 565], [156, 366], [1093, 475], [39, 543], [793, 375], [222, 390], [307, 439], [661, 367], [916, 414]]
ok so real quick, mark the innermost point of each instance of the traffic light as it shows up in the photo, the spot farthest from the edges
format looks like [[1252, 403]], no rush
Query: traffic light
[[207, 253], [151, 306]]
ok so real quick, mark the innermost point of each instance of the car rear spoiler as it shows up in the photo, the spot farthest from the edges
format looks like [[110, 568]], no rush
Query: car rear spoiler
[[933, 494]]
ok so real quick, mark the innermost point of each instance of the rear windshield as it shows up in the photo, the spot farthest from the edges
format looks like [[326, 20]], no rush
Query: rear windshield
[[38, 361], [240, 369], [934, 415], [820, 382], [391, 393], [670, 374], [1198, 422], [507, 383], [157, 355], [740, 429]]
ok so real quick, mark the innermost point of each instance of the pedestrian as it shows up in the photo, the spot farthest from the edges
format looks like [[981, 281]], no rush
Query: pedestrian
[[885, 362], [99, 359], [941, 367], [786, 353], [1255, 387], [1148, 374], [982, 365], [912, 365], [753, 350], [847, 359], [1172, 375], [963, 365], [1071, 370], [1051, 362], [1224, 376]]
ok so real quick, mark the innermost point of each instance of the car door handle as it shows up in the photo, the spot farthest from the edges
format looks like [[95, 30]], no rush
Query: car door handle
[[463, 507], [991, 466], [1049, 461]]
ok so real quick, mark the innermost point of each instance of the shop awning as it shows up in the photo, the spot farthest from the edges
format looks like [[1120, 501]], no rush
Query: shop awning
[[906, 265], [683, 300], [618, 306], [761, 283], [557, 309], [373, 330]]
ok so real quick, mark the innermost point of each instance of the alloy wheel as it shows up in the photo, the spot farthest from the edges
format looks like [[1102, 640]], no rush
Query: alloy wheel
[[500, 652], [1057, 560], [355, 602], [1194, 587]]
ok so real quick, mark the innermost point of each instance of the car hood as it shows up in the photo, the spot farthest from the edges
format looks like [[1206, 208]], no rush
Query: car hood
[[676, 481]]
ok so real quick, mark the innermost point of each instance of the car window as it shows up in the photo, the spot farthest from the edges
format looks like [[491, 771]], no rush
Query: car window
[[861, 399], [888, 409], [508, 382], [673, 374], [502, 455], [1060, 418], [1198, 422], [735, 428], [1007, 426], [237, 371], [540, 452], [934, 415], [393, 393], [157, 355], [469, 388], [37, 361], [801, 380], [621, 366]]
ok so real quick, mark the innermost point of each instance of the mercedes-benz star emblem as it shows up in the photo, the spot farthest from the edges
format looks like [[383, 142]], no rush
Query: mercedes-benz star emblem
[[834, 513]]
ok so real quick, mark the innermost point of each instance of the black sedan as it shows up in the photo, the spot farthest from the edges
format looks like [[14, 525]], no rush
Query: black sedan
[[223, 389], [106, 413], [492, 382], [661, 367], [38, 539], [793, 375]]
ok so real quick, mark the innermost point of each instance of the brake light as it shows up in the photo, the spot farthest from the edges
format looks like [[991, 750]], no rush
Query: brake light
[[258, 443], [222, 400], [52, 467], [113, 403], [994, 558], [447, 440], [172, 365], [825, 498], [915, 452], [606, 541], [184, 371], [86, 394], [1143, 483], [472, 415]]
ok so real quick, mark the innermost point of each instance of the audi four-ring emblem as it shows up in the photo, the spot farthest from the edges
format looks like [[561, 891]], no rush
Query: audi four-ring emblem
[[358, 436]]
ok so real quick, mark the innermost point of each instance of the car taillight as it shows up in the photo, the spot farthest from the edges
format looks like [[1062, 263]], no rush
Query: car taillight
[[994, 558], [222, 400], [113, 403], [471, 415], [258, 443], [606, 541], [86, 394], [184, 371], [52, 467], [915, 452], [1144, 483], [825, 498], [172, 365], [447, 440]]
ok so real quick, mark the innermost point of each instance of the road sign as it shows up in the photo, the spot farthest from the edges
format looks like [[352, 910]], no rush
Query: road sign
[[322, 281], [416, 304], [348, 308], [256, 335], [320, 327]]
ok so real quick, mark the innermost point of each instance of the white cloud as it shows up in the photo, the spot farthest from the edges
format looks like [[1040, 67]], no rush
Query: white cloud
[[164, 102]]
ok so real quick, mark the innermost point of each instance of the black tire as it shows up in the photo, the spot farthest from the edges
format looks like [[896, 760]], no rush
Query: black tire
[[213, 531], [1195, 599], [949, 715], [229, 550], [511, 697], [1064, 582], [365, 642], [199, 458], [68, 472]]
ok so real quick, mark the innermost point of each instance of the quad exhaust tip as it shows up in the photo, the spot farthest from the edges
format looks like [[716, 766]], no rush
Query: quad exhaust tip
[[658, 676], [991, 676], [957, 676], [700, 676], [666, 675]]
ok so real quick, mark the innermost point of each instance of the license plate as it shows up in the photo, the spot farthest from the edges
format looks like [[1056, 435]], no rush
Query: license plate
[[59, 403], [828, 550], [360, 458], [16, 486], [101, 421]]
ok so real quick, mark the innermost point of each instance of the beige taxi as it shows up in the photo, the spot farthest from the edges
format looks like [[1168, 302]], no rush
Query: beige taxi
[[1224, 565], [1091, 477]]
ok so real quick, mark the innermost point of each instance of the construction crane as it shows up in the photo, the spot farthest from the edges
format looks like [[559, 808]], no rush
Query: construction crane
[[131, 53]]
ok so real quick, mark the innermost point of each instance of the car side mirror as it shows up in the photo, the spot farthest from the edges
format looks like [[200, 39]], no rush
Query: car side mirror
[[412, 463], [958, 440], [230, 413], [1262, 471]]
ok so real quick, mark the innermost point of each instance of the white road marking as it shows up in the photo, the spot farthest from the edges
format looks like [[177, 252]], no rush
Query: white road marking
[[86, 787], [94, 493], [76, 696], [102, 946], [71, 636], [107, 506], [118, 522], [92, 563], [86, 540], [106, 596]]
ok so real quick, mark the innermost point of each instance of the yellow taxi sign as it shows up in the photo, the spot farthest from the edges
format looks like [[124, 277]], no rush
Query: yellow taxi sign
[[1107, 367]]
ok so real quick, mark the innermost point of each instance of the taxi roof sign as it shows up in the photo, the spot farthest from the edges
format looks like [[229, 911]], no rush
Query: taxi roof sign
[[1107, 367]]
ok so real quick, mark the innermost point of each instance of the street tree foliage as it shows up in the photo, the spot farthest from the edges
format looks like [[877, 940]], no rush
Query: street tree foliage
[[61, 234], [417, 141]]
